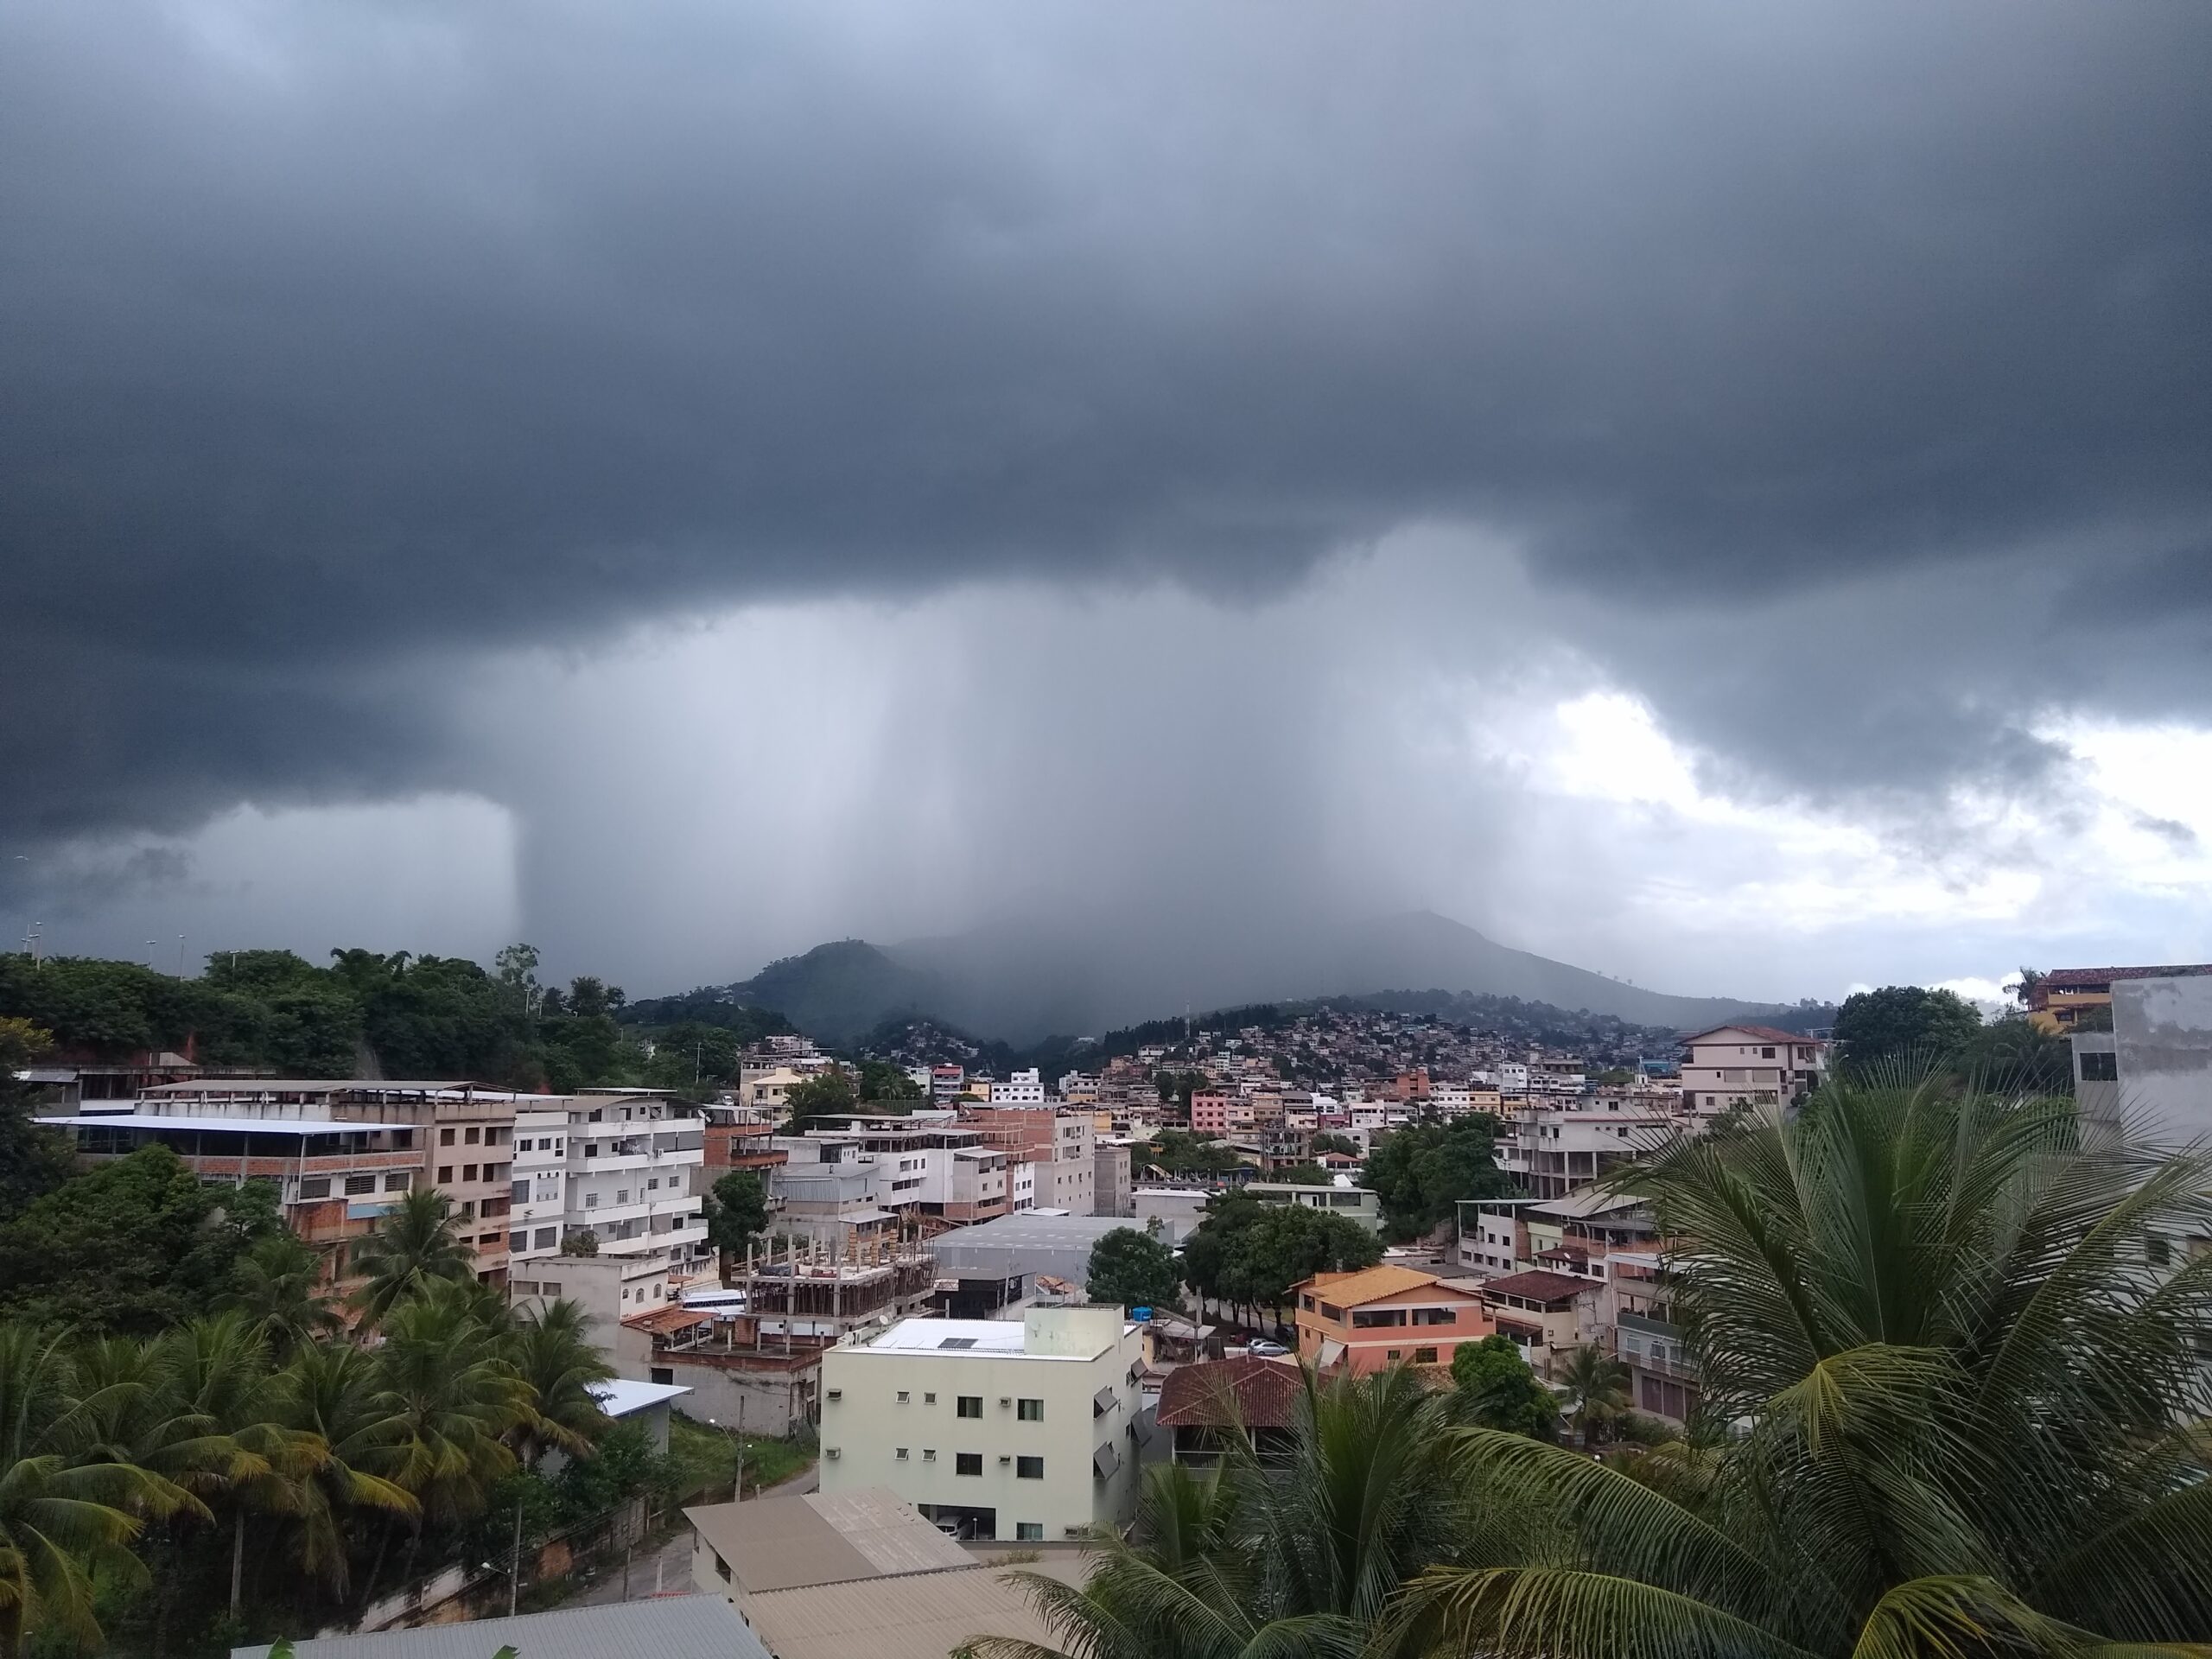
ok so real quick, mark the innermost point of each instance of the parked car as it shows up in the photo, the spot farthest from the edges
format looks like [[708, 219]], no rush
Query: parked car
[[1260, 1348]]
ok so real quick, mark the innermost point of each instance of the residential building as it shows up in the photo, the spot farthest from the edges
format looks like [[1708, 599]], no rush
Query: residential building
[[1357, 1204], [1111, 1188], [1545, 1314], [751, 1350], [1379, 1317], [1059, 1144], [2154, 1069], [1750, 1065], [340, 1152], [1551, 1150], [1026, 1432], [764, 1094], [1026, 1247], [624, 1166], [2062, 1000], [947, 1083], [737, 1137], [1020, 1089], [1203, 1406], [830, 1576]]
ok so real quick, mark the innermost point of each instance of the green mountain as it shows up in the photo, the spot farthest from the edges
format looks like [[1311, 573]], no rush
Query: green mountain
[[1020, 982]]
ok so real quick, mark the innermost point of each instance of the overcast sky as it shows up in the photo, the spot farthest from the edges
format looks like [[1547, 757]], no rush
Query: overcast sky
[[1719, 494]]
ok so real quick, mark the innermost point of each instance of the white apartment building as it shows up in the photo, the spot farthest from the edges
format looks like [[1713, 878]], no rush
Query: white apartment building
[[1023, 1433], [541, 1179], [869, 1175], [625, 1166], [1513, 1077], [1750, 1065], [1021, 1088]]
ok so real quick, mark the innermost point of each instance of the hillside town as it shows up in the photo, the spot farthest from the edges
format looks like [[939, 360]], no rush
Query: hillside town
[[984, 1305]]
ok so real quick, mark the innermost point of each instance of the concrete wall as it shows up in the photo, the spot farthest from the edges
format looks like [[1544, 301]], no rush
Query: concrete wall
[[2162, 1029]]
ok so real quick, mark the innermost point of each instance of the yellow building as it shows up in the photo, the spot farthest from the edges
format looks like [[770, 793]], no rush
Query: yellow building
[[2062, 1000]]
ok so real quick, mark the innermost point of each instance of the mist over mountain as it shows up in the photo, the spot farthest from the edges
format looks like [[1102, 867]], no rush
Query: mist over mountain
[[1019, 982]]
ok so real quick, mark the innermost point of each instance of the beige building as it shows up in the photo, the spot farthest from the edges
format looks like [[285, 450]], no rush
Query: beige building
[[1023, 1433], [1750, 1065]]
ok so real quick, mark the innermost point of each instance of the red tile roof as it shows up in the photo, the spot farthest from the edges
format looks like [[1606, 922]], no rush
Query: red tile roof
[[1764, 1034], [1254, 1392], [1538, 1286], [665, 1321]]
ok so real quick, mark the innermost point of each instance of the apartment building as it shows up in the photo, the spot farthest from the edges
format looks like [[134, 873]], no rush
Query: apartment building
[[1552, 1151], [1750, 1065], [1059, 1146], [866, 1173], [1357, 1204], [623, 1165], [2062, 1000], [1379, 1317], [340, 1152], [1020, 1089], [1546, 1315], [1026, 1432], [1112, 1189]]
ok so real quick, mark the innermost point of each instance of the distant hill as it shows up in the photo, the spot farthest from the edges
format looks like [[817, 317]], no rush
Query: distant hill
[[1019, 983]]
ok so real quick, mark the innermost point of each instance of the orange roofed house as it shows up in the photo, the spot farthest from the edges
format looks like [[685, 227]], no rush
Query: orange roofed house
[[1378, 1315]]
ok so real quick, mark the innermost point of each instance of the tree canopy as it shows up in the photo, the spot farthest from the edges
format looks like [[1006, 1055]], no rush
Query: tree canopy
[[1905, 1025], [1130, 1266], [1250, 1254], [1419, 1172]]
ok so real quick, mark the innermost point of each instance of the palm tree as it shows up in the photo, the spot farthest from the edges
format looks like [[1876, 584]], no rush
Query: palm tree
[[62, 1505], [280, 1290], [1303, 1555], [416, 1243], [335, 1392], [552, 1351], [1597, 1390], [455, 1395], [1972, 1392]]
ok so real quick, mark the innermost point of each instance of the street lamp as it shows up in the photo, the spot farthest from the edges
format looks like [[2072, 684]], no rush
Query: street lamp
[[737, 1439]]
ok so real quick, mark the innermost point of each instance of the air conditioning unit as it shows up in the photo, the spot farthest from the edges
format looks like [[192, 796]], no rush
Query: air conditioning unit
[[837, 1394], [831, 1454], [1007, 1459], [1005, 1399]]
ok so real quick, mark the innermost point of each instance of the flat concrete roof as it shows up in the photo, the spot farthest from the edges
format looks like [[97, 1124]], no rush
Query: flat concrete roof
[[285, 1126]]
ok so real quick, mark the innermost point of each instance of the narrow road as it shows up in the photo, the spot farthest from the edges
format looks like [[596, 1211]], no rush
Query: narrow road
[[666, 1570]]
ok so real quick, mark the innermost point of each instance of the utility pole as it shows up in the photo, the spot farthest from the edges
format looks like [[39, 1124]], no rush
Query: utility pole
[[514, 1563]]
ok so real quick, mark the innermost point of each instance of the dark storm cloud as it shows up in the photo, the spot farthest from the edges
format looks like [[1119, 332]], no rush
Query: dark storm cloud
[[345, 342]]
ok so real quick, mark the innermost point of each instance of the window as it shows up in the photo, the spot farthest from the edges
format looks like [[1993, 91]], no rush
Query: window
[[469, 1210], [398, 1181], [468, 1171], [445, 1137], [1395, 1353], [546, 1237], [904, 1396], [1305, 1302], [1371, 1318], [1435, 1316], [929, 1454], [1767, 1053], [929, 1399], [902, 1454], [517, 1240], [359, 1184], [591, 1200], [1029, 1532], [2100, 1068], [314, 1186], [1030, 1411], [2158, 1251], [1424, 1356], [720, 1565], [1331, 1311], [445, 1175], [971, 1405], [472, 1136], [966, 1462], [1029, 1468]]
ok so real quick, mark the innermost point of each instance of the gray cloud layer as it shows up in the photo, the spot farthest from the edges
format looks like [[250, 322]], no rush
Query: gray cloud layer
[[345, 343]]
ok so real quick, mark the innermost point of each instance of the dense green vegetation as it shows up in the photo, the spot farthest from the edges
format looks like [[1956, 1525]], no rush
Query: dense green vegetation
[[1419, 1172], [239, 1466], [1130, 1266], [1250, 1255], [413, 1016], [1911, 1029], [1967, 1363]]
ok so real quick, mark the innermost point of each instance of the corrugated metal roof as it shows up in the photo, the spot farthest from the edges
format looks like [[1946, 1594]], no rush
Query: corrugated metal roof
[[919, 1617], [664, 1627]]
